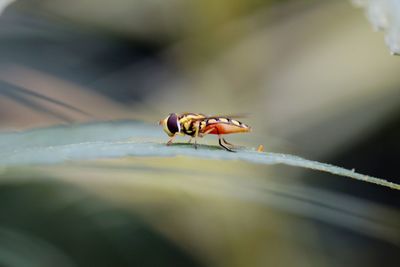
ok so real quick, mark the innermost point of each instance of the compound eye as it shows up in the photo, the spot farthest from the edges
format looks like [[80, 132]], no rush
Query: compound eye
[[173, 123]]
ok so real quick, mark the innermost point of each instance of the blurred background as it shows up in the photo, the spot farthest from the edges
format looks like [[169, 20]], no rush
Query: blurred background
[[315, 79]]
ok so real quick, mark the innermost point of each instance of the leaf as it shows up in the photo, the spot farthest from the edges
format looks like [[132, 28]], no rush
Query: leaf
[[218, 206], [127, 138]]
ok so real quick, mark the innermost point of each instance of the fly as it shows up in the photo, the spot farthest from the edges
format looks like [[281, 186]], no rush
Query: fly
[[198, 125]]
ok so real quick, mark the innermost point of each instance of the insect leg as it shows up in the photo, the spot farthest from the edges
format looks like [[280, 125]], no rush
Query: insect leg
[[196, 134], [190, 140], [226, 142], [220, 142], [206, 132], [171, 140]]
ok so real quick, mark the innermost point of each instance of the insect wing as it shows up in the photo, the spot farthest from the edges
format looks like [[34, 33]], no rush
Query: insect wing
[[234, 116]]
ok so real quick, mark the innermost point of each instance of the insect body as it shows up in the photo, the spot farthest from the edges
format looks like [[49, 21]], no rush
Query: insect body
[[198, 125]]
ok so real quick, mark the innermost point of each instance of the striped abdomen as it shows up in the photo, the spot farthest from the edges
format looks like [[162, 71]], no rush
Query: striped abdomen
[[223, 126]]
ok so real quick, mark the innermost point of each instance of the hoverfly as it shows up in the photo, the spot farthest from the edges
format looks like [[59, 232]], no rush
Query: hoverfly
[[198, 125]]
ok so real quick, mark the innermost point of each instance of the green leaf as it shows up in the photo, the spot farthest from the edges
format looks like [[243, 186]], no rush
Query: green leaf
[[128, 138]]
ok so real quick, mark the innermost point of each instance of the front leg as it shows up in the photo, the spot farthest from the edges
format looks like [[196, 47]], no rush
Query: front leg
[[171, 140]]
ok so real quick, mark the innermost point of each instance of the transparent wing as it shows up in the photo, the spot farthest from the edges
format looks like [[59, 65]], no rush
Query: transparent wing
[[230, 116]]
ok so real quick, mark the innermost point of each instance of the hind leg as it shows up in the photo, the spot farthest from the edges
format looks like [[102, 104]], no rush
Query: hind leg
[[226, 142], [220, 143]]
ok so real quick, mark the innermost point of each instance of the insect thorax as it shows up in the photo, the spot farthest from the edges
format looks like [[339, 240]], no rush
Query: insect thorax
[[188, 126]]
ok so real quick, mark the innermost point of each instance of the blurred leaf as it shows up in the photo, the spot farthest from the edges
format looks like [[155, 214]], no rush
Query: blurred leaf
[[50, 223]]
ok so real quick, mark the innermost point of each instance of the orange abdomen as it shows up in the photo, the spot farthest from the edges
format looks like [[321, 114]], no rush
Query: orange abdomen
[[229, 127]]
